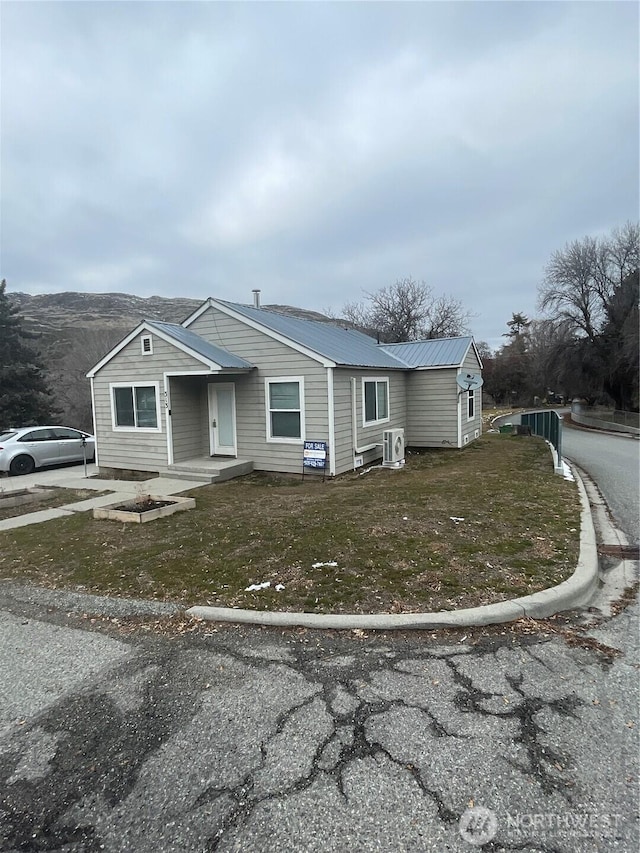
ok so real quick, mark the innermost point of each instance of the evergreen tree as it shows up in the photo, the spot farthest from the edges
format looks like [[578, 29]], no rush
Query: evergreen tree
[[24, 393]]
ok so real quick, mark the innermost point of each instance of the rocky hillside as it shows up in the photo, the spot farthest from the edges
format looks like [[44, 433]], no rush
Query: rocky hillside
[[55, 314]]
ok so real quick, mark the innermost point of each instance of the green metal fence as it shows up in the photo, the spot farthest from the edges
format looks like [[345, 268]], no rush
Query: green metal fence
[[548, 425]]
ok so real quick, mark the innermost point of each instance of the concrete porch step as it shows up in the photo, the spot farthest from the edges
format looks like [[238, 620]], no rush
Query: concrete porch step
[[196, 476], [208, 470]]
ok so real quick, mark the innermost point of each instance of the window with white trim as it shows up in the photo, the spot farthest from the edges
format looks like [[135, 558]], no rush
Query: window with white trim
[[146, 345], [471, 404], [285, 409], [375, 401], [135, 406]]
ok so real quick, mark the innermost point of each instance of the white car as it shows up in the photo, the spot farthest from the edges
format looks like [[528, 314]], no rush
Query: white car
[[25, 449]]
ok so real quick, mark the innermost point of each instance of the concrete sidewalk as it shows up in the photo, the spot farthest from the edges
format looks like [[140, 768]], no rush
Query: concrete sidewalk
[[73, 478]]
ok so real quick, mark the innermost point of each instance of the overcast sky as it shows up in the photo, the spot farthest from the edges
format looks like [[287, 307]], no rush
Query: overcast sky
[[313, 150]]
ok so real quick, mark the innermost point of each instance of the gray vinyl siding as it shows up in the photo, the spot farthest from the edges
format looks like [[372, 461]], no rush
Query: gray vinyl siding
[[205, 445], [433, 408], [346, 442], [343, 450], [144, 451], [187, 425], [471, 429], [273, 359]]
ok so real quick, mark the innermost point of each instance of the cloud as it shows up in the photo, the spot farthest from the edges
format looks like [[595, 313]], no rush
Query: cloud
[[225, 146], [100, 278]]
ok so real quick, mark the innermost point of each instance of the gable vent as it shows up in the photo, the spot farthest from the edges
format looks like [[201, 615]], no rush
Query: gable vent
[[147, 345]]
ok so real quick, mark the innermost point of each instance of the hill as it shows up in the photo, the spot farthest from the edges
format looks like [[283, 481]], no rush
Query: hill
[[53, 313]]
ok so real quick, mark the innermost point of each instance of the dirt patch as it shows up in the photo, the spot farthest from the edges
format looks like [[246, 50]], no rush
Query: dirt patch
[[142, 505]]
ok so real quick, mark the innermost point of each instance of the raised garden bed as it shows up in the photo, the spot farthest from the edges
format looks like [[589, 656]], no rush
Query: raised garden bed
[[145, 508], [24, 496]]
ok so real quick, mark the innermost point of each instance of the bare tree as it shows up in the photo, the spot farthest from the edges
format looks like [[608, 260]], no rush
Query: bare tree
[[591, 289], [580, 280], [547, 341], [484, 350], [407, 311], [446, 318]]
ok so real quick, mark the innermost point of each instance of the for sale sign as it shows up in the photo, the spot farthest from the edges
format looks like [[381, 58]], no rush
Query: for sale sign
[[315, 454]]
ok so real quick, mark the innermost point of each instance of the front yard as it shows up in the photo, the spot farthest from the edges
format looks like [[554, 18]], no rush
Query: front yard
[[451, 529]]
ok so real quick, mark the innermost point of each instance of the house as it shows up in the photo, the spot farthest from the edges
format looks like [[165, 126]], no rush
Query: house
[[237, 387]]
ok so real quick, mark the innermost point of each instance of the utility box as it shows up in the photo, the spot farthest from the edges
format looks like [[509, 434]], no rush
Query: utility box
[[522, 429], [393, 448]]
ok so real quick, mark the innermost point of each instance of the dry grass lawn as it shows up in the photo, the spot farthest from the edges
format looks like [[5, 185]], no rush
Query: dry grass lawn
[[451, 529]]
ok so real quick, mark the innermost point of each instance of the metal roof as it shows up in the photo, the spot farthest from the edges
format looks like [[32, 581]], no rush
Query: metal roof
[[198, 345], [436, 352], [346, 347]]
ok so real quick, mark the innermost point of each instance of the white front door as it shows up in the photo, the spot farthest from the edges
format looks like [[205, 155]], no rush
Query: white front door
[[222, 419]]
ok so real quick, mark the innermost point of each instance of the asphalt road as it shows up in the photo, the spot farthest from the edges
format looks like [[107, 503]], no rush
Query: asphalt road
[[242, 739], [613, 461]]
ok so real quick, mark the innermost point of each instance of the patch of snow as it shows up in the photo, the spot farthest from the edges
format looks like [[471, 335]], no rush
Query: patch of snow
[[257, 586], [320, 565], [279, 587], [566, 472], [455, 519]]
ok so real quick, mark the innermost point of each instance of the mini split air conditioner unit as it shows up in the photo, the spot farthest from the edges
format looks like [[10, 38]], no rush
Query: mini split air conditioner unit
[[393, 448]]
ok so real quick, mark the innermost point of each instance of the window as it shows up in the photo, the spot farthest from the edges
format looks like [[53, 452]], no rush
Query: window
[[146, 344], [375, 394], [471, 404], [285, 410], [135, 406], [66, 434], [39, 435]]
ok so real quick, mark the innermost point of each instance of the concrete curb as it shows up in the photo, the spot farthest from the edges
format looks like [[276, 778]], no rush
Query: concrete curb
[[576, 591]]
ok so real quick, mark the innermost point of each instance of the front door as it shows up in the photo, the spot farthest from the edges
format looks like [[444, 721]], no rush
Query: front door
[[222, 419]]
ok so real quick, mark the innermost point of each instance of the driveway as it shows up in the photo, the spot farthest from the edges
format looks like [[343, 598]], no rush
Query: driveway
[[67, 475]]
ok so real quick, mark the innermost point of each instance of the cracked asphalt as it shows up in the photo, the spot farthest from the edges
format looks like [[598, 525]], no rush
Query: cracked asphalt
[[117, 737]]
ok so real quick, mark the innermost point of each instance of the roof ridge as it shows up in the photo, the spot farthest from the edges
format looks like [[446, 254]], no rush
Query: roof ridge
[[426, 341]]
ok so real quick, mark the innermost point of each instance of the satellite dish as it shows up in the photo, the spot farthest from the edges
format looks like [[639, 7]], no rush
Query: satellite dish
[[469, 381]]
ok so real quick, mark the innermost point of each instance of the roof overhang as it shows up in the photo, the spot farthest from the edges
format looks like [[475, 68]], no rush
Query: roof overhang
[[213, 367], [450, 366]]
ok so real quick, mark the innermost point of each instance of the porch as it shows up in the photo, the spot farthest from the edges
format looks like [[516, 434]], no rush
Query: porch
[[207, 469]]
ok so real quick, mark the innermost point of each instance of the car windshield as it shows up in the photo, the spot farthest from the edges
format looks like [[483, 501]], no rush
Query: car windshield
[[5, 436]]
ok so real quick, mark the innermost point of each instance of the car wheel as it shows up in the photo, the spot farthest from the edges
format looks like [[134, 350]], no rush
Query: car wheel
[[22, 465]]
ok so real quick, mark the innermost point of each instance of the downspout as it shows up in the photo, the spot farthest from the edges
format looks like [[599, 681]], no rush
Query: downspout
[[332, 422], [167, 417], [459, 395], [93, 418], [354, 421]]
